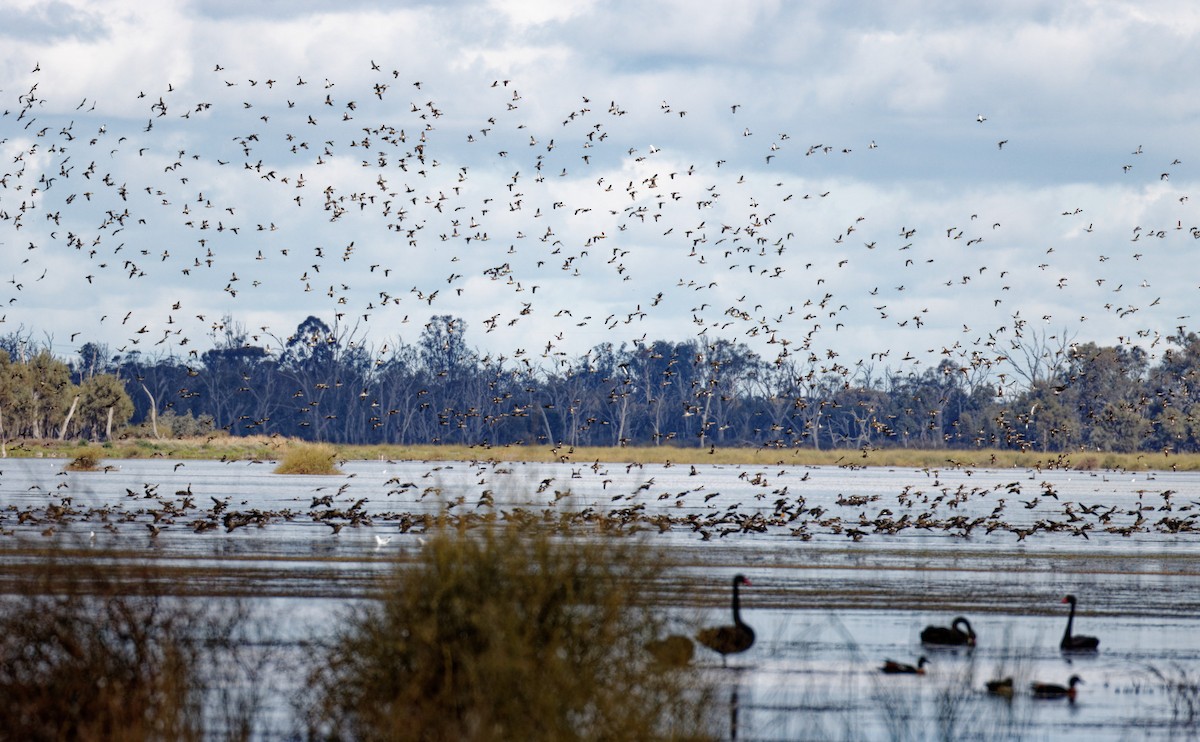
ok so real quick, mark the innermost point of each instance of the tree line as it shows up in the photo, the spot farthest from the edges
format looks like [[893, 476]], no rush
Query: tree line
[[322, 383]]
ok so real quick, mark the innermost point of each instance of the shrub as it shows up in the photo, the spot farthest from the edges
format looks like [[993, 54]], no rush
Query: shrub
[[505, 633], [308, 458], [87, 460], [86, 656]]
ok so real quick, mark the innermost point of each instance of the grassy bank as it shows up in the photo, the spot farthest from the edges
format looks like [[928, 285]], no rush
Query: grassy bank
[[264, 448]]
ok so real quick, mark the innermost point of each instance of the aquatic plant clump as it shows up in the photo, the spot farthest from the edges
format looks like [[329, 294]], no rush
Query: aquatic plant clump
[[87, 459], [506, 633], [308, 458]]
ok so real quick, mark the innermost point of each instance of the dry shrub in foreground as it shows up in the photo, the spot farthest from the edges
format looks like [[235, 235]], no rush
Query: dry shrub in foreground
[[85, 656], [506, 633], [308, 458]]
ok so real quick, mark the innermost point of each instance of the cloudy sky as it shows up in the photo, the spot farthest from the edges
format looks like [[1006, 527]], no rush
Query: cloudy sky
[[891, 183]]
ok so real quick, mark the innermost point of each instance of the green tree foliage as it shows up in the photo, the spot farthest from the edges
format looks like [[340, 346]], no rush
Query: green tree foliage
[[103, 403], [43, 395]]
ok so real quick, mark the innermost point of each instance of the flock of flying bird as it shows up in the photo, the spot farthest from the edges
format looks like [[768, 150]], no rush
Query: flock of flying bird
[[738, 637], [377, 202]]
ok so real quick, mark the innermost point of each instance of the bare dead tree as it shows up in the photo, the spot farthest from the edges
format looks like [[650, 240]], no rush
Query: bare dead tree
[[1039, 356]]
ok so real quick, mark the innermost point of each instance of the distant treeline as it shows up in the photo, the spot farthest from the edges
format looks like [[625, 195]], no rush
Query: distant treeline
[[321, 384]]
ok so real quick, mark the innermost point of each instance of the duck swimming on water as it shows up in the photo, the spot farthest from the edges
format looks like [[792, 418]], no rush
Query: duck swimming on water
[[891, 667], [1053, 690]]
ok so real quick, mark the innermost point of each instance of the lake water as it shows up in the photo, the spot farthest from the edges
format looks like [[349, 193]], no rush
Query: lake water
[[847, 566]]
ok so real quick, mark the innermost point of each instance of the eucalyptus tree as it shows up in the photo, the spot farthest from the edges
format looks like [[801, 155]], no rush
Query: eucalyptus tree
[[230, 373], [1107, 387], [7, 396], [103, 402], [727, 371], [452, 379], [328, 371], [1173, 393], [46, 393], [95, 358], [1047, 418], [399, 385]]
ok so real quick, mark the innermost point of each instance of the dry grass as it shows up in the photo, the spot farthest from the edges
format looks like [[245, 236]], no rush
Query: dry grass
[[88, 459], [85, 657], [308, 458], [266, 447], [505, 633]]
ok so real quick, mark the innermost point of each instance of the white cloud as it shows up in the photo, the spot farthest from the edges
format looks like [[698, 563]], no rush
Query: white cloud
[[749, 246]]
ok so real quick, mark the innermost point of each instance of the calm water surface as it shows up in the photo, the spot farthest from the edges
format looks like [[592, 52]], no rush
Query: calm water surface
[[847, 566]]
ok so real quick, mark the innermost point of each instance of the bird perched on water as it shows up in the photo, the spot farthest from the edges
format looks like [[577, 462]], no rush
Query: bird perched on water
[[730, 639], [1000, 686], [950, 636], [891, 667], [1053, 690], [675, 650], [1076, 642]]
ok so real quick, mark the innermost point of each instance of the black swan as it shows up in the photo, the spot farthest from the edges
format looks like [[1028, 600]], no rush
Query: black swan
[[673, 651], [892, 667], [1053, 690], [729, 639], [950, 636], [1076, 643]]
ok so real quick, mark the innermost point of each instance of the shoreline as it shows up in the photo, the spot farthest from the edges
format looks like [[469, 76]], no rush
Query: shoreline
[[267, 448]]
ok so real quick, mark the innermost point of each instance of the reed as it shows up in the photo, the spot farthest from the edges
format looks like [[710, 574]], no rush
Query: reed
[[506, 632], [1182, 688]]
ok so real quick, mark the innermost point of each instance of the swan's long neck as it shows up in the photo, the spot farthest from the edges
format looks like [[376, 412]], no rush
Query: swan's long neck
[[737, 608], [1070, 621]]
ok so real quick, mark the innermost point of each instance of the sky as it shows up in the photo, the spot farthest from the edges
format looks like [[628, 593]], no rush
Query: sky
[[860, 187]]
